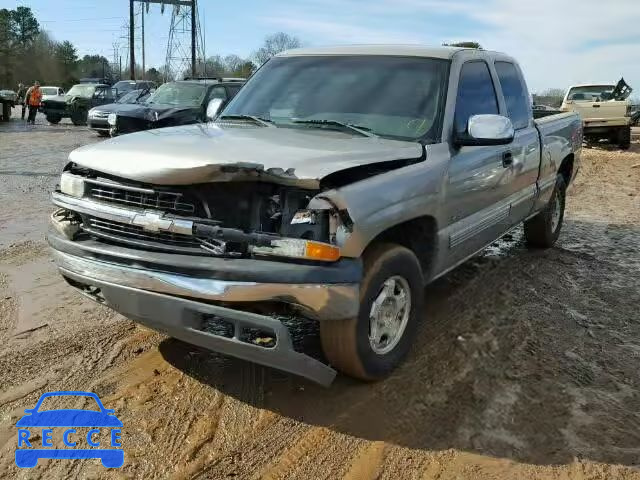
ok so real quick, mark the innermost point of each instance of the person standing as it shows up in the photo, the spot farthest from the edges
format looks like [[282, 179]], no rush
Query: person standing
[[22, 97], [34, 99]]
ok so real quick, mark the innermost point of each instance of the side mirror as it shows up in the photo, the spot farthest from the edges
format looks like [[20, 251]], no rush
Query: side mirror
[[485, 130], [214, 107]]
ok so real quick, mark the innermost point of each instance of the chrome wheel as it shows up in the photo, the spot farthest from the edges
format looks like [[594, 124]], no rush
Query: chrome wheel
[[555, 213], [389, 315]]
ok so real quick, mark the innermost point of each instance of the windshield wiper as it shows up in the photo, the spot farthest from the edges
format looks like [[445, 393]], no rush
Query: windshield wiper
[[265, 122], [364, 131]]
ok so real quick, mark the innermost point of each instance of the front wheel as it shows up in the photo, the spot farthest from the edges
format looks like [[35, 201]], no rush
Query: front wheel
[[371, 345], [543, 230], [79, 117]]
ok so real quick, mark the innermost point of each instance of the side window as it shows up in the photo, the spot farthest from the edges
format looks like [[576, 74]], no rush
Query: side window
[[476, 94], [100, 93], [514, 94], [218, 92]]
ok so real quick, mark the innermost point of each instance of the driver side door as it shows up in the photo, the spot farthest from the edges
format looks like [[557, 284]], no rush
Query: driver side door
[[476, 204]]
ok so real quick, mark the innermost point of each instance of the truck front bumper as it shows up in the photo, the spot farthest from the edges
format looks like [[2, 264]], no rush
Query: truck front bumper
[[143, 286]]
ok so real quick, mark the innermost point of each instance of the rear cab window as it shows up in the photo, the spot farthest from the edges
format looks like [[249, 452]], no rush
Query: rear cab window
[[476, 94], [514, 94]]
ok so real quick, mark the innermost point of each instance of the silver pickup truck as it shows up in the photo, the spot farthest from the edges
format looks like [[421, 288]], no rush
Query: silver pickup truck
[[331, 189]]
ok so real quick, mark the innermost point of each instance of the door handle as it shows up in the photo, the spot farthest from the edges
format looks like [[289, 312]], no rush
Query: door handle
[[507, 159]]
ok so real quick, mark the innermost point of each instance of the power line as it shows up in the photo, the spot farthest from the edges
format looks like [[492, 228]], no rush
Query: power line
[[81, 19]]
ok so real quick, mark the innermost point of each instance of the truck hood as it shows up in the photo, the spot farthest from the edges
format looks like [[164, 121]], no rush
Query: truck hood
[[211, 152], [152, 112]]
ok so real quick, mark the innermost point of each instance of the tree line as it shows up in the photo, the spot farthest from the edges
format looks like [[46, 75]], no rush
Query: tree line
[[28, 53]]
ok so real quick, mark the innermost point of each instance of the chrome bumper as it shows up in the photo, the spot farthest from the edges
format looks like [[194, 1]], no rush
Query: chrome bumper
[[319, 301]]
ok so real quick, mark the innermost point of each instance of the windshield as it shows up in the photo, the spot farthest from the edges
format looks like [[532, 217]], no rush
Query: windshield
[[396, 97], [124, 86], [131, 97], [85, 91], [49, 90], [591, 93], [181, 94]]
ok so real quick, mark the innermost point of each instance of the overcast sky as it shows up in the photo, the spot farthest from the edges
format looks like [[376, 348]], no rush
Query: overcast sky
[[558, 42]]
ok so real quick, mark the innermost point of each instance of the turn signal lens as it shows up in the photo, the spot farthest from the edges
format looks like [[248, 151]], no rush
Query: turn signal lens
[[322, 251], [298, 248]]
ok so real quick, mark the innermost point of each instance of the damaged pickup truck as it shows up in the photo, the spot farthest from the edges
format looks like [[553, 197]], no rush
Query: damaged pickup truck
[[335, 185]]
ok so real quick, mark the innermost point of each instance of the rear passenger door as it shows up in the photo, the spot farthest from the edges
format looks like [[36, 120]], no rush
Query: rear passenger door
[[475, 200], [525, 149]]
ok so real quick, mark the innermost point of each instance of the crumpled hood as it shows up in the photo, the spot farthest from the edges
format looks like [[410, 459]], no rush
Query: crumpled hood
[[120, 108], [209, 152]]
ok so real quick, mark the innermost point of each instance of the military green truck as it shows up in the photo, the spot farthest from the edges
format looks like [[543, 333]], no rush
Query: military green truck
[[77, 102], [8, 100]]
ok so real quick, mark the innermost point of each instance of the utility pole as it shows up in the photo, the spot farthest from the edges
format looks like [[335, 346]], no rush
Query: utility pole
[[194, 33], [142, 15], [132, 55]]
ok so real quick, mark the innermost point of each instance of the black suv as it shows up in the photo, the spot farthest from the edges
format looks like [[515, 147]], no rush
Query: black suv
[[174, 103], [77, 102]]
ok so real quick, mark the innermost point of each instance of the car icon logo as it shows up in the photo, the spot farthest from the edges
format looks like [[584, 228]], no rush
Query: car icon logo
[[27, 456]]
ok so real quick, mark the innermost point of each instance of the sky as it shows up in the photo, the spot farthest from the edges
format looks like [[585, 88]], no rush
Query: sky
[[557, 42]]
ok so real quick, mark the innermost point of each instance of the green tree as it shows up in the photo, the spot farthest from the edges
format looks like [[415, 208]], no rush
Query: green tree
[[7, 40], [67, 58], [475, 45], [26, 26], [154, 75]]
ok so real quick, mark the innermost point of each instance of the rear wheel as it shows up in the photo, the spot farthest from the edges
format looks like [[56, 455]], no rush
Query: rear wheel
[[6, 112], [79, 117], [53, 119], [102, 133], [371, 345], [543, 230], [624, 138]]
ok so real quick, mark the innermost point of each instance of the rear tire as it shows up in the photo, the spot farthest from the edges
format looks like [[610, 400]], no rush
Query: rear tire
[[102, 133], [391, 273], [543, 230], [624, 138], [6, 112], [53, 119]]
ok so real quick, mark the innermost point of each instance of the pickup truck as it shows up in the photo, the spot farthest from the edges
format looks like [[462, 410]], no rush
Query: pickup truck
[[331, 189], [605, 111], [8, 100], [76, 103]]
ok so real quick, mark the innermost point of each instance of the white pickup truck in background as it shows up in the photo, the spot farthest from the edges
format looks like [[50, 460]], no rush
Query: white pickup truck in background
[[605, 110]]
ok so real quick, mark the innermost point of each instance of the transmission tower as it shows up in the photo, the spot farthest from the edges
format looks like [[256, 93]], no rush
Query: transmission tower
[[185, 43], [184, 46]]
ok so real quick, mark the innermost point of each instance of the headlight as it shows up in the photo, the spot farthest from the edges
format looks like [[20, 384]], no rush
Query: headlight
[[299, 248], [112, 119], [72, 185]]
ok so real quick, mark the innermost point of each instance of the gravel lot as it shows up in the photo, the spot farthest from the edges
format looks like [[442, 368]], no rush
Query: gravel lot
[[527, 364]]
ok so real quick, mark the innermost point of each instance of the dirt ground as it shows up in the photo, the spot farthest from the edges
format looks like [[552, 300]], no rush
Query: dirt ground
[[526, 366]]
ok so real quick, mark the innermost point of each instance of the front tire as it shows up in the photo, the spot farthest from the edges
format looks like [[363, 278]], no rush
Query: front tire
[[371, 345], [543, 230], [79, 118]]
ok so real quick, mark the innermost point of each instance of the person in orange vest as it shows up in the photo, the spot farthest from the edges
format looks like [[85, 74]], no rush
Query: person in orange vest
[[34, 98]]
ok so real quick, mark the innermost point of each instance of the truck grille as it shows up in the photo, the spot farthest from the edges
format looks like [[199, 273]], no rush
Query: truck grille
[[140, 197], [136, 235]]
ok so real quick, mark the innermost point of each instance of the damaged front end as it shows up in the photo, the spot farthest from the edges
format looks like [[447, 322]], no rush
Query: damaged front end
[[240, 219]]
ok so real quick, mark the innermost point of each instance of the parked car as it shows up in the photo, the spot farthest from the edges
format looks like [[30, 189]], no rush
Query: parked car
[[8, 99], [77, 102], [333, 187], [174, 103], [605, 111], [50, 92], [125, 86], [97, 117]]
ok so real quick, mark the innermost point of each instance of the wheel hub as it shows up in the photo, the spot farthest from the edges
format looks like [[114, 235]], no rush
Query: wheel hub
[[389, 315]]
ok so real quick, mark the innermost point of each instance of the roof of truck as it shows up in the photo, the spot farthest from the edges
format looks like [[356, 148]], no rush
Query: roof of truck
[[397, 50]]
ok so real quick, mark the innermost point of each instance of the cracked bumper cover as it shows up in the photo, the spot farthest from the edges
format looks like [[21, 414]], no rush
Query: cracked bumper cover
[[153, 289]]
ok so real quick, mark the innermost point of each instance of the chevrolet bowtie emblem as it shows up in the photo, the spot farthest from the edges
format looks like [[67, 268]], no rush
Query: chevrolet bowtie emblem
[[155, 222]]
